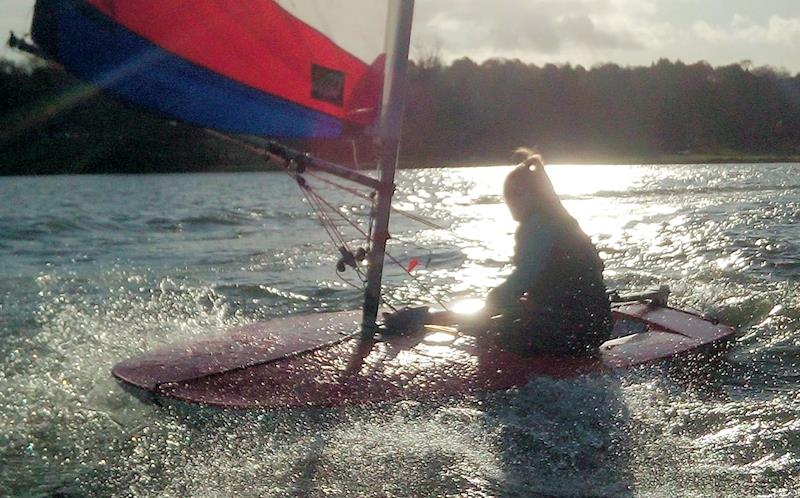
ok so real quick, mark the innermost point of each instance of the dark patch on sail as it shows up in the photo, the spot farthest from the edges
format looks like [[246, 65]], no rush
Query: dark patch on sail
[[327, 84]]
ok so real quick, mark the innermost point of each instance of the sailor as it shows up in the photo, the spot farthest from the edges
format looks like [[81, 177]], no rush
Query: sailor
[[554, 302]]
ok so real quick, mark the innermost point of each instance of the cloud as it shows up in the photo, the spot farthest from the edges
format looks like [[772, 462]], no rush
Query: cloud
[[582, 30], [508, 28], [710, 33], [776, 31]]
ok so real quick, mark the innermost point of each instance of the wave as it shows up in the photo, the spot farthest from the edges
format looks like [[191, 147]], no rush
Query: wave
[[34, 228], [665, 191], [175, 224], [220, 219]]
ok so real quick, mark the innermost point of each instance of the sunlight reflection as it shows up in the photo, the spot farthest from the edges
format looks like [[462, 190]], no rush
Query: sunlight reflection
[[467, 306], [615, 205], [592, 179], [595, 195], [440, 337]]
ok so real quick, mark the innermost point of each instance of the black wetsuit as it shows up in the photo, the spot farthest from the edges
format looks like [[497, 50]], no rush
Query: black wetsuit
[[555, 299]]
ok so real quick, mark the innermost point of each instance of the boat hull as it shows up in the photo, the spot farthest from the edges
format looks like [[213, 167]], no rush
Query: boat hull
[[319, 360]]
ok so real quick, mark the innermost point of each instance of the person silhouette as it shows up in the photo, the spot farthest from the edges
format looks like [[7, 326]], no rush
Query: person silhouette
[[554, 301]]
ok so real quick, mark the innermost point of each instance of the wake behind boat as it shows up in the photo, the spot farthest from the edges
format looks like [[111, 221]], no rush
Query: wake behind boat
[[300, 69]]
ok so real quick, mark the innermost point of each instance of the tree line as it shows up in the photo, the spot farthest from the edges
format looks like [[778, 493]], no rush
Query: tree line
[[607, 111], [52, 123]]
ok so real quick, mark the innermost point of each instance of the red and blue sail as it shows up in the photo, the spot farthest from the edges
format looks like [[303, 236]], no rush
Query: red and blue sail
[[270, 68]]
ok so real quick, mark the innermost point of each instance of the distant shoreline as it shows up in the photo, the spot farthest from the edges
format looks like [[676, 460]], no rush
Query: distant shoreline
[[687, 159], [429, 163]]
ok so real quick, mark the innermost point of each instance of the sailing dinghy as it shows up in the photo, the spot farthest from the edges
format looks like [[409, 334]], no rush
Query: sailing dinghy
[[310, 69]]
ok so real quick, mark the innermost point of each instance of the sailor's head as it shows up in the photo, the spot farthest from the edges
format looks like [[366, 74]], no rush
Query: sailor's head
[[527, 189]]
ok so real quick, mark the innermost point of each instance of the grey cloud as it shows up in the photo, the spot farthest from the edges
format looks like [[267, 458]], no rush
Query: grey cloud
[[508, 26], [520, 30], [582, 30]]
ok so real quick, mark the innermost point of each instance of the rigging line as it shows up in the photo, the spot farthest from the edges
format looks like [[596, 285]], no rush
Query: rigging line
[[327, 224], [348, 282], [259, 151], [362, 195], [387, 303], [357, 269], [311, 194], [333, 234], [409, 242], [417, 281], [321, 216], [408, 214], [419, 219], [330, 228], [333, 226], [350, 190], [342, 241], [449, 233], [397, 262], [316, 201], [351, 284], [343, 216]]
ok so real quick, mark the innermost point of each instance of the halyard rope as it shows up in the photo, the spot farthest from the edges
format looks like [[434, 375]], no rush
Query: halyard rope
[[318, 204]]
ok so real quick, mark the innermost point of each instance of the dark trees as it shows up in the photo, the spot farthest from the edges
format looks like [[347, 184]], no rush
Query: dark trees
[[52, 123], [466, 109]]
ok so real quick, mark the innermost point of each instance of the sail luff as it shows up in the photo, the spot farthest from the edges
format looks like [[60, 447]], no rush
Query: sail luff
[[399, 21]]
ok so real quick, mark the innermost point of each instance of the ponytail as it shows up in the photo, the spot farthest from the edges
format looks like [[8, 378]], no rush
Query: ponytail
[[528, 157]]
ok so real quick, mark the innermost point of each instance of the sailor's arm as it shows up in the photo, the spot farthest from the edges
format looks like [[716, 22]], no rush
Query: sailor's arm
[[534, 247]]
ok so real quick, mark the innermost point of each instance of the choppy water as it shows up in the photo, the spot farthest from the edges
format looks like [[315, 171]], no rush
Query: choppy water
[[95, 269]]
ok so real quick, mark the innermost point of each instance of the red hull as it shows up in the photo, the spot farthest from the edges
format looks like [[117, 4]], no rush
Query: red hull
[[317, 360]]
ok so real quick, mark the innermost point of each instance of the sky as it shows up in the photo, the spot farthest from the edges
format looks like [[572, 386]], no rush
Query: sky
[[586, 32]]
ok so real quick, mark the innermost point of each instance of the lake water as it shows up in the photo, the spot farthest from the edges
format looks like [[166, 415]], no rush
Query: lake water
[[95, 269]]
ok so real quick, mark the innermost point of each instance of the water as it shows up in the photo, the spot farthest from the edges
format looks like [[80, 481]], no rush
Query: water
[[95, 269]]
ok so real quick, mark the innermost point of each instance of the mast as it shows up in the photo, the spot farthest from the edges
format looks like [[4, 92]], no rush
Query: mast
[[398, 34]]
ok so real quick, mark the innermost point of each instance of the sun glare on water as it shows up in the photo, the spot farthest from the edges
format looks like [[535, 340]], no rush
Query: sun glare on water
[[467, 306], [486, 233]]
